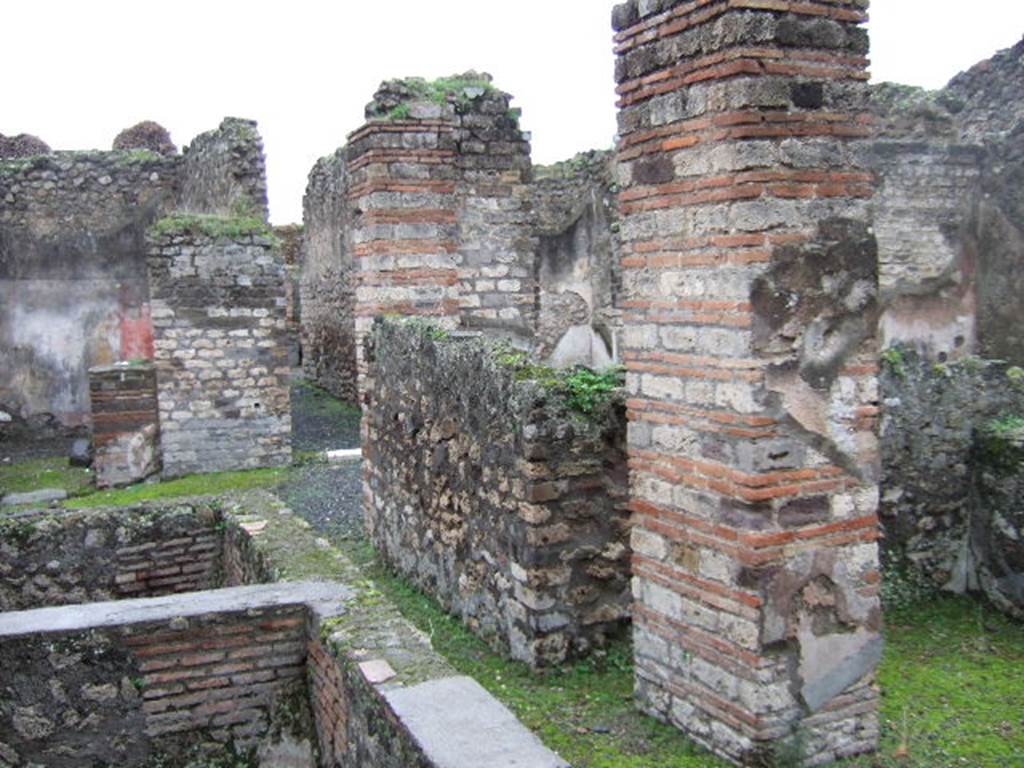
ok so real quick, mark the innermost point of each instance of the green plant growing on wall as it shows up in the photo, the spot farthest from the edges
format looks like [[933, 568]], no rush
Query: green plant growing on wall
[[1007, 425], [212, 226], [583, 389], [1016, 376], [401, 112], [893, 358]]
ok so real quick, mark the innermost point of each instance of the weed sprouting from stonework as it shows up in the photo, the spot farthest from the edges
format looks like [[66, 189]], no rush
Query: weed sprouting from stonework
[[211, 226], [401, 112], [893, 357]]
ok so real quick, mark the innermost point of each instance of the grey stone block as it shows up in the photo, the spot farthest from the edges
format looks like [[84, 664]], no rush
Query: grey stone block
[[460, 725]]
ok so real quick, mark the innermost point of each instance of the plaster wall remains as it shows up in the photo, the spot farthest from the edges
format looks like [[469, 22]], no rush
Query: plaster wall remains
[[949, 216], [74, 290], [750, 300], [575, 212], [221, 339], [494, 496]]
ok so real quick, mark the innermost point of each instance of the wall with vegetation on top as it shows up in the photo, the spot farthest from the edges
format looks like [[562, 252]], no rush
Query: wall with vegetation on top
[[486, 488]]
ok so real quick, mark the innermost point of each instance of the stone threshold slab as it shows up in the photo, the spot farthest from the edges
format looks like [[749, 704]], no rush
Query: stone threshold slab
[[458, 724]]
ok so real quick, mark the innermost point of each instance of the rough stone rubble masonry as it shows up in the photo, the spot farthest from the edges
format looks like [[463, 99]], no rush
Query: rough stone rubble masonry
[[750, 282]]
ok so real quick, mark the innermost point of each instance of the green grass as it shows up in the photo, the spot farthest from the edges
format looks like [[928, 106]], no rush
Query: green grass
[[190, 485], [954, 668], [953, 665], [230, 227], [584, 711], [34, 474]]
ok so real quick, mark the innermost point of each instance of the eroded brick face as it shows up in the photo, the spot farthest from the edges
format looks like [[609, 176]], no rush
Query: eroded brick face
[[750, 304]]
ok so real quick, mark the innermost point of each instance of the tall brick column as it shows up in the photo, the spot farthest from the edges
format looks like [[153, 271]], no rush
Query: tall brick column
[[750, 288], [439, 209], [402, 205]]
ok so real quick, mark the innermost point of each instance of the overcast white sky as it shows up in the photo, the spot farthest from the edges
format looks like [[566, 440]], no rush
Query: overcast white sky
[[78, 71]]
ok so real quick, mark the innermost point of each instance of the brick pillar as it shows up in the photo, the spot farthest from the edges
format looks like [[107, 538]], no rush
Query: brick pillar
[[750, 281], [402, 201], [439, 202]]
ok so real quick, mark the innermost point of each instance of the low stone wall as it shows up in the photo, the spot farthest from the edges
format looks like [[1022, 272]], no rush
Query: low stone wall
[[219, 316], [58, 558], [153, 682], [381, 696], [947, 499], [495, 497], [125, 423]]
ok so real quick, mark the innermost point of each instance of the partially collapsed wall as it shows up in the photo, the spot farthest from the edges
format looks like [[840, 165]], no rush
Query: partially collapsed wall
[[949, 218], [328, 281], [495, 496], [949, 215], [73, 282], [73, 290], [431, 210]]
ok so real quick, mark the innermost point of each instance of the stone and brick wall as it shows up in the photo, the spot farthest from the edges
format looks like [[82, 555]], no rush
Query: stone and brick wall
[[125, 424], [223, 171], [380, 694], [83, 556], [749, 299], [936, 420], [425, 212], [221, 337], [491, 495], [136, 684], [327, 282], [73, 288], [949, 214]]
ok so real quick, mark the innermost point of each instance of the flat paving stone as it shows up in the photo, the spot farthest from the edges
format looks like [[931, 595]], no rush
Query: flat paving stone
[[460, 725]]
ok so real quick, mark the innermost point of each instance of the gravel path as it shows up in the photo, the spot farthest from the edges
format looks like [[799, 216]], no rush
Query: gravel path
[[321, 421], [329, 496]]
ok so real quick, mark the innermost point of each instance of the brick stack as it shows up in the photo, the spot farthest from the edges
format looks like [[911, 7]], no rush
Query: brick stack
[[221, 674], [125, 423], [750, 282]]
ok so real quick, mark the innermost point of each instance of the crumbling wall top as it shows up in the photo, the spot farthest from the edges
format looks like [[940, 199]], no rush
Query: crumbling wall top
[[224, 171]]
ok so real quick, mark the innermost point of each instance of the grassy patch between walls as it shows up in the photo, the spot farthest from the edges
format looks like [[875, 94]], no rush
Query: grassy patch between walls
[[34, 474], [952, 682], [190, 485]]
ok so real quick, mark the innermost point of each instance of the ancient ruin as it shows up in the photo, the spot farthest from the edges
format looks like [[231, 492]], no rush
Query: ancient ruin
[[707, 389]]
